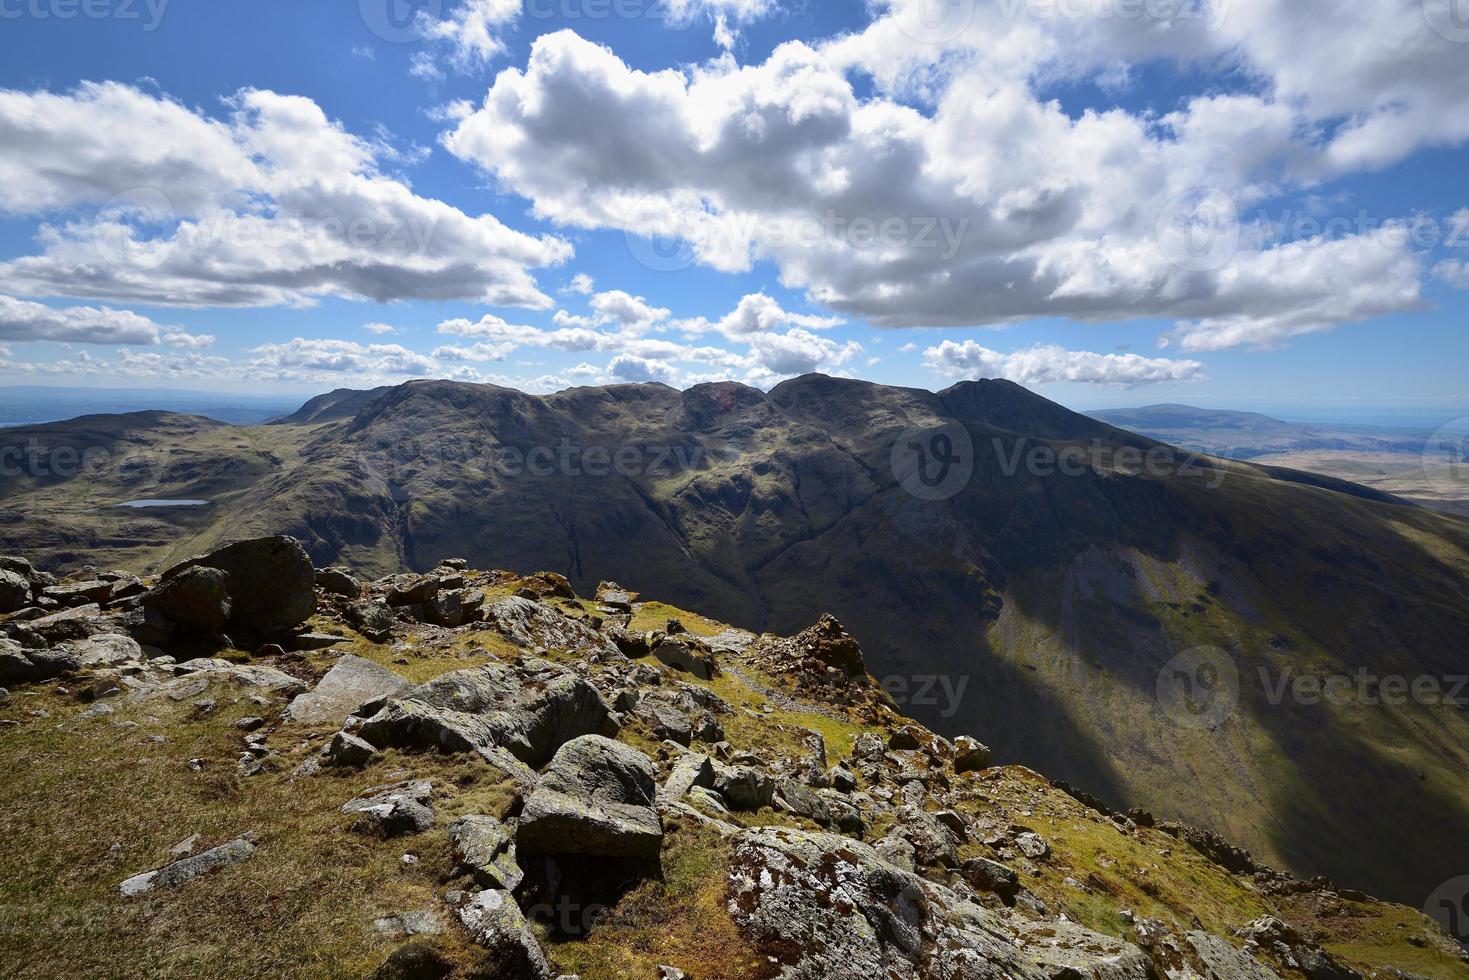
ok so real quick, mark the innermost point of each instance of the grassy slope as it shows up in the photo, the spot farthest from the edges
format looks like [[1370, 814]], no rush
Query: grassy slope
[[86, 804]]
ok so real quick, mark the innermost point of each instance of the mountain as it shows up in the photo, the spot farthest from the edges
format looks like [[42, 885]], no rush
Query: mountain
[[1058, 608], [1246, 435], [471, 773]]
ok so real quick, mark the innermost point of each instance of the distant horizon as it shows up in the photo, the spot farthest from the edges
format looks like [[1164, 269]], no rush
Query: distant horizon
[[1382, 416]]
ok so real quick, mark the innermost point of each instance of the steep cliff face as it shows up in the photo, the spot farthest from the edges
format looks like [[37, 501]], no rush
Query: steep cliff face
[[1036, 583]]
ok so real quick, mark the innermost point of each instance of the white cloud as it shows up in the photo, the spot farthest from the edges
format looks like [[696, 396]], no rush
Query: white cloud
[[472, 31], [758, 313], [290, 359], [986, 205], [25, 321], [1053, 364], [627, 367], [279, 205], [379, 329], [581, 283], [180, 338], [1455, 273], [633, 313], [474, 352]]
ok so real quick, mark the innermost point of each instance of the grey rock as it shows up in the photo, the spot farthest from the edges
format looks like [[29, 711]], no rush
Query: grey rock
[[411, 590], [392, 811], [985, 875], [684, 652], [693, 769], [15, 591], [272, 584], [347, 751], [180, 872], [197, 598], [744, 787], [79, 593], [352, 682], [529, 624], [483, 848], [529, 711], [338, 581], [495, 922], [800, 800], [445, 609], [415, 961], [596, 798], [374, 620], [891, 923], [1032, 845], [970, 755]]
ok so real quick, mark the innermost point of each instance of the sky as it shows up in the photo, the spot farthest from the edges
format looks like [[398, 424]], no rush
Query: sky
[[1237, 203]]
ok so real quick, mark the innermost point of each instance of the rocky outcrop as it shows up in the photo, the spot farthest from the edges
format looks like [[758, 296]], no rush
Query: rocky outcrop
[[596, 799], [529, 711], [825, 907], [496, 923], [484, 849], [351, 683], [531, 624], [197, 597], [392, 811]]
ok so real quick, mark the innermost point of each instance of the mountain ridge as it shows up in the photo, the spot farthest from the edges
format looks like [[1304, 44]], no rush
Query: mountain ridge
[[1058, 599]]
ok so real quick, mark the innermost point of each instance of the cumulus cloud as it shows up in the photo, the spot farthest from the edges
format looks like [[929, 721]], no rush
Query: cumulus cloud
[[984, 204], [301, 357], [471, 33], [1455, 273], [181, 338], [379, 329], [1053, 364], [628, 367], [758, 313], [633, 313], [276, 205], [25, 321], [581, 283]]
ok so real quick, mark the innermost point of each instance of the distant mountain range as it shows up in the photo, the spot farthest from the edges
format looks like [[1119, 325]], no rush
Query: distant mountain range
[[1247, 435], [1119, 614], [35, 404]]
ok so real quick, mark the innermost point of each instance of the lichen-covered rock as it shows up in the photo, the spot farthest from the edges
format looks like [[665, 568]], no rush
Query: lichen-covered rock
[[970, 755], [596, 798], [496, 923], [829, 908], [529, 624], [352, 682], [684, 652], [179, 872], [529, 711], [744, 787], [484, 849], [392, 811]]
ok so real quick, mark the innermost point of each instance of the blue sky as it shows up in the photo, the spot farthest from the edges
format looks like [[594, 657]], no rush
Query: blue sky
[[1112, 201]]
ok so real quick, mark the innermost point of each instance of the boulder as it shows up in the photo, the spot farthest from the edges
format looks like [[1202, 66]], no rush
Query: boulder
[[197, 598], [970, 755], [684, 652], [484, 849], [413, 590], [692, 769], [596, 799], [1032, 845], [414, 961], [829, 643], [338, 581], [529, 711], [352, 682], [72, 594], [495, 923], [179, 872], [272, 584], [374, 620], [445, 609], [744, 787], [392, 811], [985, 875], [15, 591], [347, 751]]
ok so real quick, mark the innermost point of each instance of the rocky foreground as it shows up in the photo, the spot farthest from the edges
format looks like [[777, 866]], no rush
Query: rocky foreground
[[250, 766]]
